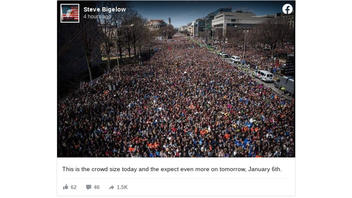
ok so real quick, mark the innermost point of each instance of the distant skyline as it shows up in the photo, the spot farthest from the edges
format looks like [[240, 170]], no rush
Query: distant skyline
[[184, 12]]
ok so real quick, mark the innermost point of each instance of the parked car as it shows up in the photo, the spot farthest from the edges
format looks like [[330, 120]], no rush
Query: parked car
[[266, 76], [236, 59], [256, 74], [225, 55]]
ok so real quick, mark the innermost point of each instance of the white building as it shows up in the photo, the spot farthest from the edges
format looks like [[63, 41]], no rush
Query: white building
[[191, 28], [238, 19], [156, 24], [182, 28]]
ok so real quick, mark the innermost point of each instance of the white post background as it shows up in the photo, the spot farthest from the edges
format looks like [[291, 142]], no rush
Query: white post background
[[164, 184]]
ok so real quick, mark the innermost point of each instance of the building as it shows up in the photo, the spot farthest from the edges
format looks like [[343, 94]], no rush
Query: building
[[156, 24], [182, 28], [193, 28], [208, 21], [190, 28], [239, 19], [199, 27]]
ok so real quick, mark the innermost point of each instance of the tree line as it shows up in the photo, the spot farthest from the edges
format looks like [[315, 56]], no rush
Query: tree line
[[115, 33], [118, 34], [271, 34]]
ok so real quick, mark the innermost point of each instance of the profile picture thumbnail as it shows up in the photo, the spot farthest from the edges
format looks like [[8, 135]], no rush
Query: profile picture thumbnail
[[69, 13]]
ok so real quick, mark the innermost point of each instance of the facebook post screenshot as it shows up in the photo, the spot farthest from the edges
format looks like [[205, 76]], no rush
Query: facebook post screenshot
[[176, 98]]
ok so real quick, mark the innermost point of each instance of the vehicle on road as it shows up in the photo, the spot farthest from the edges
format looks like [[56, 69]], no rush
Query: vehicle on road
[[266, 76], [235, 59], [245, 66], [286, 84], [256, 74], [225, 55]]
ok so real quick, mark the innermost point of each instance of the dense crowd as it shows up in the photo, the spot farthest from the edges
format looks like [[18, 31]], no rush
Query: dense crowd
[[183, 102]]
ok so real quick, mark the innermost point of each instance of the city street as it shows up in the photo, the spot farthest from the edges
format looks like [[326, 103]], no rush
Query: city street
[[183, 102], [175, 96], [248, 71]]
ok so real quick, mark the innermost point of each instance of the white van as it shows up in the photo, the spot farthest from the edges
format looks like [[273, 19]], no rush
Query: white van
[[266, 76], [235, 59], [256, 74]]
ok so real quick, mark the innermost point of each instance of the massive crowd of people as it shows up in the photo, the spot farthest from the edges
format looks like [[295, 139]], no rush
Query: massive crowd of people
[[183, 102]]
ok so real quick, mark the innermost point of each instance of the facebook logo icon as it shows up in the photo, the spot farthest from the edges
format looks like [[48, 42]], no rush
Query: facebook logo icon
[[287, 9]]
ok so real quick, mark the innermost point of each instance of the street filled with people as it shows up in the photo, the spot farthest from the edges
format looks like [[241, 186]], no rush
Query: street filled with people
[[183, 102], [259, 57]]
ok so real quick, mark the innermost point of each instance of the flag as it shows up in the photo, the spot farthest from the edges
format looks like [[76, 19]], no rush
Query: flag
[[70, 13]]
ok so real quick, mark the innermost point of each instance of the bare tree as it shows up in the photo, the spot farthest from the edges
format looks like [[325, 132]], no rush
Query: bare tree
[[126, 29], [167, 31], [274, 33], [107, 39], [90, 34], [119, 38], [110, 23], [235, 36], [218, 34], [136, 34]]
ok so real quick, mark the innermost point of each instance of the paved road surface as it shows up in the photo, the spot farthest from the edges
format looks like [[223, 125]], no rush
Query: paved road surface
[[250, 71]]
